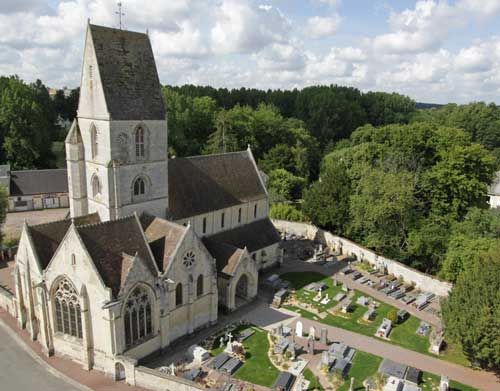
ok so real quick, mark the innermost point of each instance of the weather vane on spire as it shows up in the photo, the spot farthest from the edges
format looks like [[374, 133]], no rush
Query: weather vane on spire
[[120, 13]]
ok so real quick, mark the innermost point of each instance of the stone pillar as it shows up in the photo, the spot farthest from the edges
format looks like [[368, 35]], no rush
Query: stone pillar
[[86, 330], [31, 322], [44, 323], [190, 301]]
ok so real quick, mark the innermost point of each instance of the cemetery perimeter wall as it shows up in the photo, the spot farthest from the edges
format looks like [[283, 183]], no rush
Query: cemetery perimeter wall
[[157, 381], [420, 280]]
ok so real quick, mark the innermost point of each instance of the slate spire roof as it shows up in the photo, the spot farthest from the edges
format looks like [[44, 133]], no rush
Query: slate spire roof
[[128, 74]]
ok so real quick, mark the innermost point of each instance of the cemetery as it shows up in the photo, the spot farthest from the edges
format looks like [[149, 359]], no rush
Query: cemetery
[[360, 318]]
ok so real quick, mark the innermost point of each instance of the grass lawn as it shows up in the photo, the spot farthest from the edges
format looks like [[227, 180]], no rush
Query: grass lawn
[[257, 368], [314, 385], [402, 334], [363, 365], [430, 382]]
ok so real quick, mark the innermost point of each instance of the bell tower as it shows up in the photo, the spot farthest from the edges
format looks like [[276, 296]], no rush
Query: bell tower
[[122, 128]]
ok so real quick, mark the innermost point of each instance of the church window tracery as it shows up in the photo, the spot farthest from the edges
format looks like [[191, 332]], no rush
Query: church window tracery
[[138, 321], [139, 143], [68, 310], [139, 187], [189, 259]]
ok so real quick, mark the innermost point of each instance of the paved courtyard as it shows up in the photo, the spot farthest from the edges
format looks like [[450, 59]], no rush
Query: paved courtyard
[[14, 221]]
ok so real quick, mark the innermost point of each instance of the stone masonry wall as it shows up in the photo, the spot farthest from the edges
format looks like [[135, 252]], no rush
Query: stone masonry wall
[[409, 275], [157, 381]]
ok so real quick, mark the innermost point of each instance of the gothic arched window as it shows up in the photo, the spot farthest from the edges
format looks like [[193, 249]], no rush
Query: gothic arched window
[[94, 141], [96, 185], [139, 143], [139, 187], [199, 286], [138, 321], [68, 310], [178, 294]]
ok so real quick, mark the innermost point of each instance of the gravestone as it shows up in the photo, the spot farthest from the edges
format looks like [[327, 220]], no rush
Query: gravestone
[[312, 332], [351, 387], [335, 281], [279, 330], [323, 336], [298, 329], [324, 358], [310, 345]]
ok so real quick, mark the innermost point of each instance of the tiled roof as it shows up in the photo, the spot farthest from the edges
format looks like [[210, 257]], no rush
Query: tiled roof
[[163, 237], [128, 74], [254, 236], [47, 237], [202, 184], [108, 242], [227, 257], [29, 182]]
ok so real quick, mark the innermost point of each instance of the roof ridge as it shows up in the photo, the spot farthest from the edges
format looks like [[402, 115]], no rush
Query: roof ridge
[[48, 223], [115, 29], [41, 169], [211, 155], [105, 222]]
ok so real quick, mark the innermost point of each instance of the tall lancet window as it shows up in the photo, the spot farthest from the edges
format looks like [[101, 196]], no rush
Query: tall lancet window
[[96, 185], [68, 311], [138, 321], [94, 141], [139, 143]]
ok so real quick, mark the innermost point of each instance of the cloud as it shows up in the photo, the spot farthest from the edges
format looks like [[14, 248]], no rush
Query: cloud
[[241, 27], [322, 26]]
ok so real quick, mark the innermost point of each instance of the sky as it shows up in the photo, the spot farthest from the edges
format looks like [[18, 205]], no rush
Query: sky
[[435, 51]]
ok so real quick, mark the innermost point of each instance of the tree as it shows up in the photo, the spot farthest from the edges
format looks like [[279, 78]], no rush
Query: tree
[[478, 232], [284, 186], [286, 212], [326, 203], [471, 313], [383, 210], [24, 125]]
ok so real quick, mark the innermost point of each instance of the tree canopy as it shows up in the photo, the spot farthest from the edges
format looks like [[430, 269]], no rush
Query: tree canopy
[[471, 313]]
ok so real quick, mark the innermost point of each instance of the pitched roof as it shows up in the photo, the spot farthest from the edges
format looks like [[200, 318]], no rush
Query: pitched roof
[[227, 257], [47, 237], [109, 242], [74, 135], [128, 74], [202, 184], [29, 182], [163, 237], [254, 236]]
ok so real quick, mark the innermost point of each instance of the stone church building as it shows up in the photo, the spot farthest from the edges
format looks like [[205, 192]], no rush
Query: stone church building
[[154, 247]]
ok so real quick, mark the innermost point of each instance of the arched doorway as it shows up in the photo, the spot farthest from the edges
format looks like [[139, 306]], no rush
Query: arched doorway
[[241, 292], [119, 371]]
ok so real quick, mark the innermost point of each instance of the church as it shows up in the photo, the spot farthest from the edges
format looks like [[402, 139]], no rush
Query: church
[[154, 247]]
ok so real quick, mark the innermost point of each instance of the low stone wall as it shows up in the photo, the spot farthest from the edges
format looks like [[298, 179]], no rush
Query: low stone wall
[[8, 302], [348, 247], [157, 381]]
